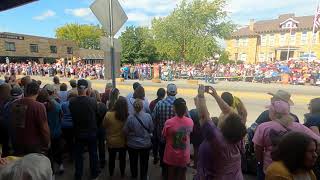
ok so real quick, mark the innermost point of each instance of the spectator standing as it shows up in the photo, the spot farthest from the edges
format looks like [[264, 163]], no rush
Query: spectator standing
[[176, 132], [30, 124], [139, 93], [67, 126], [220, 152], [63, 93], [83, 111], [162, 112], [101, 135], [114, 96], [73, 84], [138, 129], [56, 84], [105, 96], [114, 122], [4, 99], [54, 114], [267, 135], [294, 158], [134, 86]]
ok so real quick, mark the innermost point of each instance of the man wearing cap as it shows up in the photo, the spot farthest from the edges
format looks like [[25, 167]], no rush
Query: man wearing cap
[[264, 117], [162, 112], [83, 111]]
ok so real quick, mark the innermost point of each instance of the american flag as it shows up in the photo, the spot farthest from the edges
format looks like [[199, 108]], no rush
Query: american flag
[[316, 21]]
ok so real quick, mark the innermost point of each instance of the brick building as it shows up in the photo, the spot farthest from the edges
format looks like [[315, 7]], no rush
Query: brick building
[[20, 47], [270, 40]]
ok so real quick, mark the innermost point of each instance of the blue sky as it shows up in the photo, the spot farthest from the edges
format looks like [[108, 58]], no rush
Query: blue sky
[[43, 17]]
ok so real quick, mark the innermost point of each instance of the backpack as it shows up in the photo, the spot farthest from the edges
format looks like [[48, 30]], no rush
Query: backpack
[[18, 114]]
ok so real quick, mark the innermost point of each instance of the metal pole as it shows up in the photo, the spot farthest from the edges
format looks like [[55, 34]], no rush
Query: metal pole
[[289, 43], [113, 68]]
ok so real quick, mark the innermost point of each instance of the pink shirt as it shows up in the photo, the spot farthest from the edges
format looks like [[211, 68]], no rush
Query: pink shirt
[[177, 131], [262, 137]]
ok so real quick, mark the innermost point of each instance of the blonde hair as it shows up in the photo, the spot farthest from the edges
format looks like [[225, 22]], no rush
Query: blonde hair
[[138, 105]]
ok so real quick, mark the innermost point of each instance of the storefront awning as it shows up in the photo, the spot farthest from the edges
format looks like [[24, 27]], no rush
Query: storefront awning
[[8, 4]]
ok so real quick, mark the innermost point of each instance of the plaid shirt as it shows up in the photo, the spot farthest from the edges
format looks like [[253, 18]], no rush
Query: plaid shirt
[[161, 113]]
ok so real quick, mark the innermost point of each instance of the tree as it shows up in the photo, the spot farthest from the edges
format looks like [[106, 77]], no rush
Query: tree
[[138, 45], [191, 31], [86, 36]]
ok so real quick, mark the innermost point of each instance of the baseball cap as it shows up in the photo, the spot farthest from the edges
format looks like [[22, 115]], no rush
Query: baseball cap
[[49, 88], [82, 84], [172, 89], [16, 91]]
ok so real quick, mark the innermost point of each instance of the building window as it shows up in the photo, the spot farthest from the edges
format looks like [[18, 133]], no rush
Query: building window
[[315, 38], [243, 57], [245, 42], [293, 38], [263, 40], [262, 57], [69, 50], [304, 36], [282, 39], [271, 40], [236, 43], [10, 46], [53, 49], [34, 48]]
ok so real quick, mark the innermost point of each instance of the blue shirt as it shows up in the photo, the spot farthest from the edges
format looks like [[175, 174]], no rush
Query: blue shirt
[[137, 136], [54, 120], [67, 118]]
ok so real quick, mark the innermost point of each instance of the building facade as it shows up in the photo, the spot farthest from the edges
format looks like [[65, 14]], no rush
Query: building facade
[[20, 47], [277, 39]]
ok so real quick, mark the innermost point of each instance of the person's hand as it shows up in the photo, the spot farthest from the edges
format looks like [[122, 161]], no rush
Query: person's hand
[[3, 161], [201, 90], [212, 91]]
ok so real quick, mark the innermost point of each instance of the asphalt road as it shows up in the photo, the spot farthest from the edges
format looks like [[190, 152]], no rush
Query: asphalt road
[[253, 95]]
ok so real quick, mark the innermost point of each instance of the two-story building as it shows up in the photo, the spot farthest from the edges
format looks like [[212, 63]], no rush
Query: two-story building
[[277, 39]]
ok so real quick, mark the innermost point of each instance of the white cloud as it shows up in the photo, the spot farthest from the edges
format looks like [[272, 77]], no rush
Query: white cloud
[[45, 15], [84, 13]]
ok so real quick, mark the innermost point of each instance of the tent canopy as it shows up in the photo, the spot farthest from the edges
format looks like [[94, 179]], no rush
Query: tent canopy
[[8, 4]]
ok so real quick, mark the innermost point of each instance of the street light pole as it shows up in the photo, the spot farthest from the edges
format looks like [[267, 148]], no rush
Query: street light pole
[[113, 69]]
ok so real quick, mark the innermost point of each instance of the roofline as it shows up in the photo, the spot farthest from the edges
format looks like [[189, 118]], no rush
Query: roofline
[[291, 20], [18, 34], [17, 5]]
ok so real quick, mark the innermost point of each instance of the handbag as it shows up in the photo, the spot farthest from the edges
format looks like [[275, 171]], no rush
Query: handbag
[[144, 127]]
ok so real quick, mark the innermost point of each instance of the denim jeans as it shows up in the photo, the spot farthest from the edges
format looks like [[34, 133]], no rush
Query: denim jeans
[[91, 142]]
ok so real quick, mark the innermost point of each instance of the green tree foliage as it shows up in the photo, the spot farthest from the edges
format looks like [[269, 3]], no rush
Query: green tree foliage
[[138, 45], [191, 31], [86, 36]]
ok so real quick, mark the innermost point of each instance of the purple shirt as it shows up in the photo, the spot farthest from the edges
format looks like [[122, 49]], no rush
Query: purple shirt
[[218, 159]]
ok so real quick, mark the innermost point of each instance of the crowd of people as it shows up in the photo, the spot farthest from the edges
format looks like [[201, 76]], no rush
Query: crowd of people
[[41, 125], [299, 72]]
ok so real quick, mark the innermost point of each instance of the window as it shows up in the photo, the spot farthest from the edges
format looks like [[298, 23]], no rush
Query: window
[[53, 49], [271, 40], [69, 50], [262, 57], [34, 48], [315, 38], [236, 43], [293, 38], [10, 46], [282, 39], [304, 36], [245, 42], [263, 40], [243, 57]]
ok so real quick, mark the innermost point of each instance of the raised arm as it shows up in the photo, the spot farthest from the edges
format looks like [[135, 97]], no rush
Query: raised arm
[[202, 106], [225, 108]]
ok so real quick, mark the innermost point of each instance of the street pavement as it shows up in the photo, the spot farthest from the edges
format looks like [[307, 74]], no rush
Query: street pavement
[[254, 96]]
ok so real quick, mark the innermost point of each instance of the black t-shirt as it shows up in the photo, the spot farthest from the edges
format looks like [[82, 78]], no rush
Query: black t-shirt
[[84, 115]]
